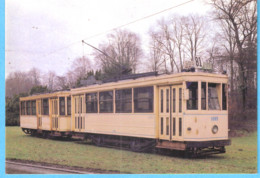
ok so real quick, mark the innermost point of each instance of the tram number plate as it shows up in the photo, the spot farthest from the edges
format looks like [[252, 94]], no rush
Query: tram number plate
[[214, 118]]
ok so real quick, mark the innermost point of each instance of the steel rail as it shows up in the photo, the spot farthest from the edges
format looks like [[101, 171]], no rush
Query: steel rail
[[49, 168]]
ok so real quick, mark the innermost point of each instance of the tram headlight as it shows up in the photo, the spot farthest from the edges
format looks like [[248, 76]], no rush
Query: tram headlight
[[214, 129]]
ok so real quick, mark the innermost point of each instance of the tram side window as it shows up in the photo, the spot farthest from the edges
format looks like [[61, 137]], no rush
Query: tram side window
[[45, 104], [203, 95], [91, 103], [33, 107], [68, 105], [143, 100], [106, 102], [62, 106], [28, 108], [213, 98], [224, 97], [23, 108], [192, 103], [124, 101]]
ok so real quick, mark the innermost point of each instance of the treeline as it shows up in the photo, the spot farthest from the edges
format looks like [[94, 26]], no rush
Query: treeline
[[226, 38]]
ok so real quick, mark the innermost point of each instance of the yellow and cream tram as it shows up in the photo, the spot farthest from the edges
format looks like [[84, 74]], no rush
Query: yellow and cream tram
[[186, 111]]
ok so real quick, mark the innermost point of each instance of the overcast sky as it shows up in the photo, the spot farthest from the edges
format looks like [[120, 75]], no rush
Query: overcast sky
[[47, 34]]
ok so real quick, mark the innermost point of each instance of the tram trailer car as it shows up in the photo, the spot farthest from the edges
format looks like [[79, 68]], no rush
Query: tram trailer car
[[46, 114], [186, 111]]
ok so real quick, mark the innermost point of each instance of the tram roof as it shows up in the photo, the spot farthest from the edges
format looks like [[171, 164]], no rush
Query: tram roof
[[165, 79], [46, 95]]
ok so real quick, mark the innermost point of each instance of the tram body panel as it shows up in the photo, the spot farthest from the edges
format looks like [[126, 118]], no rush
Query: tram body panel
[[45, 125], [29, 122], [136, 125], [199, 127]]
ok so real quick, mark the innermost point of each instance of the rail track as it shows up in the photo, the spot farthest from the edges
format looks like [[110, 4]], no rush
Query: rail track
[[13, 167]]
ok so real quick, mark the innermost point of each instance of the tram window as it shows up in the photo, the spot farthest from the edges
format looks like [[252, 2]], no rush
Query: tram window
[[34, 107], [28, 107], [180, 127], [167, 126], [62, 106], [23, 108], [213, 99], [106, 102], [124, 101], [91, 103], [80, 105], [173, 127], [45, 107], [143, 100], [203, 96], [76, 105], [173, 100], [161, 101], [167, 100], [224, 97], [68, 105], [180, 100], [192, 102], [161, 125]]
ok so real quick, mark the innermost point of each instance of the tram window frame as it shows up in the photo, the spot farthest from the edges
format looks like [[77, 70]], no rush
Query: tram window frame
[[33, 106], [167, 100], [106, 101], [192, 102], [210, 99], [23, 109], [203, 92], [68, 105], [224, 96], [62, 106], [123, 102], [147, 100], [161, 100], [45, 106], [28, 108], [174, 100], [180, 100], [91, 103]]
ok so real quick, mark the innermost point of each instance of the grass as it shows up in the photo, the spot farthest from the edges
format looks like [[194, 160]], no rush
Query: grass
[[241, 156]]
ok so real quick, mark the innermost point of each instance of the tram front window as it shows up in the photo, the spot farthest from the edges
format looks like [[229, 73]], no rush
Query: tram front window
[[213, 98]]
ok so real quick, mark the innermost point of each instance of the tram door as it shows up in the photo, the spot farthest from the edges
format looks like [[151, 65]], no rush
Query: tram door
[[170, 112], [39, 114], [79, 110], [54, 114]]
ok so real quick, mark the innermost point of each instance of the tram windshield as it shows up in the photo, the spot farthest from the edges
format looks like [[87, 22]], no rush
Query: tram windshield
[[210, 92], [213, 98]]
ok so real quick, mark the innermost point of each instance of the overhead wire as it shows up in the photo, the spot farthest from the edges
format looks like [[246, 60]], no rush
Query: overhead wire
[[118, 27]]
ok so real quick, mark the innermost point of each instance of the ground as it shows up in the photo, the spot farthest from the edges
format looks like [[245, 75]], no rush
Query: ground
[[241, 156]]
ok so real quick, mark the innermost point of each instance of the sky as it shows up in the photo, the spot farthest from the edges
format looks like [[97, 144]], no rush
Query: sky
[[47, 34]]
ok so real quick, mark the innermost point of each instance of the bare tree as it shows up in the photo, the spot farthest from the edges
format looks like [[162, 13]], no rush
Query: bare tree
[[195, 34], [81, 66], [49, 80], [240, 15], [71, 79], [178, 36], [121, 53], [156, 55], [61, 83], [168, 44], [35, 75], [229, 44]]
